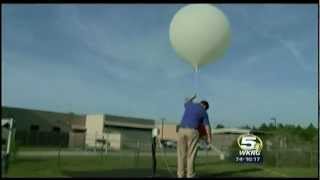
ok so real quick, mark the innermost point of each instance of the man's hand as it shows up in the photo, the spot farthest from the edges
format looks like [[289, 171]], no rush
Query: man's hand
[[191, 98]]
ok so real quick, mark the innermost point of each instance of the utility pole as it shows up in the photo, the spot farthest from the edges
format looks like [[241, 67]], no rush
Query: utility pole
[[162, 122], [275, 121]]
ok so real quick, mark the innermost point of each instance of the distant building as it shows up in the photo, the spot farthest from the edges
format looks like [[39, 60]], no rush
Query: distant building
[[168, 131], [38, 120], [122, 132], [44, 128]]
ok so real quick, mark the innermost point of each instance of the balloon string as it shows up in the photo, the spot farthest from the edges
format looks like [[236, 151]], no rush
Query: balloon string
[[196, 76]]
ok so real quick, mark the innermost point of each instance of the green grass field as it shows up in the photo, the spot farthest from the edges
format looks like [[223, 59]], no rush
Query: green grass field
[[126, 166]]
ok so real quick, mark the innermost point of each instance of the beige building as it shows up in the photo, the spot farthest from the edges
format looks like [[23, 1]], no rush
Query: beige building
[[167, 131], [77, 133], [119, 132], [94, 129]]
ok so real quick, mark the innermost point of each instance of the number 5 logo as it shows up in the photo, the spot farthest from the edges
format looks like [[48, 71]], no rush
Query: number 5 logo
[[247, 142]]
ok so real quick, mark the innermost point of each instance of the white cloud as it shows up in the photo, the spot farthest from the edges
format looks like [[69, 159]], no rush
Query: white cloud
[[253, 59], [298, 56], [149, 50], [239, 102]]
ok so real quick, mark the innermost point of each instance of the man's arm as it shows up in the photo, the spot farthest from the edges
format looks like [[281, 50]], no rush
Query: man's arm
[[191, 98], [209, 136], [208, 129]]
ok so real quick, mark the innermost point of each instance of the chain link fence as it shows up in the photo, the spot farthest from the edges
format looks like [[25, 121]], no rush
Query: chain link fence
[[115, 156], [86, 154], [281, 151], [100, 155]]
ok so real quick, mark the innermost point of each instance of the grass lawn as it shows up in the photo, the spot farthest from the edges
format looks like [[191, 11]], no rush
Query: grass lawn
[[32, 148], [119, 166]]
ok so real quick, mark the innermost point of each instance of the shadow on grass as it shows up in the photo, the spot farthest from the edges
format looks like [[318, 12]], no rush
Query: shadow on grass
[[199, 164], [117, 173], [207, 163], [148, 173], [230, 173]]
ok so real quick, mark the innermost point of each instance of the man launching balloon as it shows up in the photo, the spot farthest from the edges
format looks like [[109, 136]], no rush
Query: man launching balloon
[[194, 118], [200, 35]]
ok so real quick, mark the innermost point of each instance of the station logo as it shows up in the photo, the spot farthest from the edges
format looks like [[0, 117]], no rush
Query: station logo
[[250, 149]]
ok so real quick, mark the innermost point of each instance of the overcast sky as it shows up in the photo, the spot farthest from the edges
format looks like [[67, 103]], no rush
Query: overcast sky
[[117, 59]]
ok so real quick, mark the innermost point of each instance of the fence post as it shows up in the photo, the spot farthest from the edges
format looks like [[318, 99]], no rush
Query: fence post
[[3, 165], [103, 146], [95, 142], [154, 160], [311, 158], [278, 157], [207, 150], [59, 156], [137, 153], [278, 152]]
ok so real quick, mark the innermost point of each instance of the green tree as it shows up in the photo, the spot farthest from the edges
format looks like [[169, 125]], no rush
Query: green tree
[[290, 129], [308, 133], [246, 127], [298, 128], [219, 126], [311, 127], [263, 127], [271, 126], [280, 125]]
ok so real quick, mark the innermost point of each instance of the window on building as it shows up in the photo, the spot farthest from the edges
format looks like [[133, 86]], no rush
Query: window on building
[[56, 129], [3, 141], [79, 130], [34, 127]]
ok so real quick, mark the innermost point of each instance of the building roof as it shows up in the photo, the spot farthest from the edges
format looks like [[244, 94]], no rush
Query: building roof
[[230, 131], [67, 121], [45, 119], [78, 127], [129, 122], [238, 131], [166, 122]]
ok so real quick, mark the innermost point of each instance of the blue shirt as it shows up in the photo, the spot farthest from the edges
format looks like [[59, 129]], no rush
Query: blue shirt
[[194, 115]]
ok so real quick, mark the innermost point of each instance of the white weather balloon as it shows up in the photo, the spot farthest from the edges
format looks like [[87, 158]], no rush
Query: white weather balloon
[[200, 33]]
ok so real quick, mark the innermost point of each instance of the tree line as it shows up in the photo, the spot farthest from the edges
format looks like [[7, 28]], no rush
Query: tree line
[[308, 133]]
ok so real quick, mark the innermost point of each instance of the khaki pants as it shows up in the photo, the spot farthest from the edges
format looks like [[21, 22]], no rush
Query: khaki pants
[[186, 151]]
